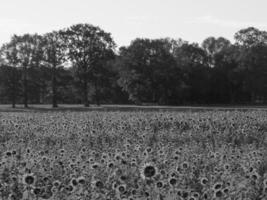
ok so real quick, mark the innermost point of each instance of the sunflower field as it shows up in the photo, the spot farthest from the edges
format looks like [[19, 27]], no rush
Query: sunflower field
[[209, 155]]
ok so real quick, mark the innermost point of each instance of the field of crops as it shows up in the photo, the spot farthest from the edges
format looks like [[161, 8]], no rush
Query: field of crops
[[133, 155]]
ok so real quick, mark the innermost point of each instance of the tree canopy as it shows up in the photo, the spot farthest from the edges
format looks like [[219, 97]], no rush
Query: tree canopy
[[81, 64]]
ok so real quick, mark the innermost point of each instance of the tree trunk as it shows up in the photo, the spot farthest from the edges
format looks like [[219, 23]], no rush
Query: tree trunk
[[97, 93], [13, 101], [153, 95], [13, 95], [54, 88], [85, 93], [232, 96], [252, 97], [25, 88]]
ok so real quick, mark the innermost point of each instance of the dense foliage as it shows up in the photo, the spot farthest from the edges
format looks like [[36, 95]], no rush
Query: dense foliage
[[80, 64], [123, 155]]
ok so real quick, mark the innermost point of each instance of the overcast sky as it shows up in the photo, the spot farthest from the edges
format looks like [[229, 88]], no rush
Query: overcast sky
[[191, 20]]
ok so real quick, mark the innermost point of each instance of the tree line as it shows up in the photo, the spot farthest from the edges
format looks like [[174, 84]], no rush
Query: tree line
[[81, 64]]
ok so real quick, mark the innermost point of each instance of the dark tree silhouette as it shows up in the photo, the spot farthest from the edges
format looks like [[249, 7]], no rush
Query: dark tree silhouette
[[54, 57], [147, 68], [250, 37], [25, 52], [79, 64], [87, 45], [10, 77], [213, 46]]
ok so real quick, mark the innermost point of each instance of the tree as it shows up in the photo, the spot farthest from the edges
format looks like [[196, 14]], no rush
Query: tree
[[252, 64], [10, 78], [226, 78], [54, 57], [147, 69], [193, 62], [252, 60], [100, 79], [23, 51], [221, 59], [88, 46], [213, 46], [250, 37]]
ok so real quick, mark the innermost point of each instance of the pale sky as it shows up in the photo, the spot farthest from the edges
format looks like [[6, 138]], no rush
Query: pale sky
[[192, 20]]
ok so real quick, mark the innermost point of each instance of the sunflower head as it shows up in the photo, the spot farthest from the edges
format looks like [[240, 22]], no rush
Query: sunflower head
[[149, 170], [29, 179]]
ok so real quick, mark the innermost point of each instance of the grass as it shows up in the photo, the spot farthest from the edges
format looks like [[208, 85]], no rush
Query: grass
[[109, 107]]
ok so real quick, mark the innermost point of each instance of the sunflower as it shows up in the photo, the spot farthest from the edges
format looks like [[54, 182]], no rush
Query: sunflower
[[173, 181], [149, 170], [218, 194], [29, 179]]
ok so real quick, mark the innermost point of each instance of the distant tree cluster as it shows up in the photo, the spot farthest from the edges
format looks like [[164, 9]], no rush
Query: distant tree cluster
[[80, 64]]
